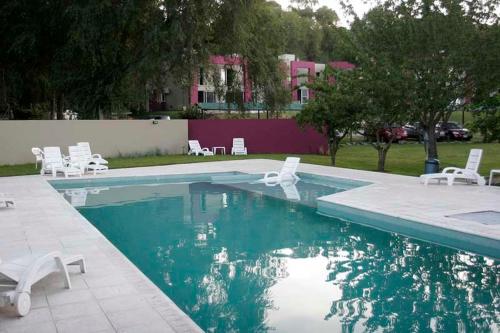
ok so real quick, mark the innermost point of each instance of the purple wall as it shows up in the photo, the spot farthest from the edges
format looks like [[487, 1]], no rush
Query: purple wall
[[261, 136]]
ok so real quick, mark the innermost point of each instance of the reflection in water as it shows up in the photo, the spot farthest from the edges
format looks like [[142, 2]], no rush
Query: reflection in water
[[241, 261]]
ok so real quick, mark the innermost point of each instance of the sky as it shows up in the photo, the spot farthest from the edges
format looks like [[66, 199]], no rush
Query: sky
[[360, 6]]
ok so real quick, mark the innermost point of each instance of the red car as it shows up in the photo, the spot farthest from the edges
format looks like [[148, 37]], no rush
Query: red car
[[397, 133]]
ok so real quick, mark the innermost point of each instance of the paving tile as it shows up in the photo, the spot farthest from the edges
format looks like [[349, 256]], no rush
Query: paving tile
[[33, 318], [66, 296], [137, 317], [46, 327], [154, 327], [84, 324], [109, 280], [113, 291], [122, 303], [87, 308]]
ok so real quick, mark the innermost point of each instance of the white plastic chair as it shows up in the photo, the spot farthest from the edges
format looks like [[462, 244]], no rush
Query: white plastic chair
[[38, 155], [287, 172], [450, 174], [93, 158], [239, 147], [79, 156], [195, 148], [20, 274], [53, 162]]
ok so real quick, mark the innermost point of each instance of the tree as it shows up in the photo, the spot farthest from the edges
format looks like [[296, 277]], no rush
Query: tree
[[486, 118], [334, 110], [381, 89], [429, 42]]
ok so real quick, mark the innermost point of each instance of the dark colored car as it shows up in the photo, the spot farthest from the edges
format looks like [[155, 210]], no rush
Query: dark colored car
[[414, 131], [452, 131]]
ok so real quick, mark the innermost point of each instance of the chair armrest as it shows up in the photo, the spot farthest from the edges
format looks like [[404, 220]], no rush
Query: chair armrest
[[205, 149], [96, 156], [452, 169], [267, 174], [29, 275]]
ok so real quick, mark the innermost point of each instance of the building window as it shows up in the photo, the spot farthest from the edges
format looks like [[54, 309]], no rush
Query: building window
[[201, 77], [230, 76], [223, 76], [209, 97], [303, 95], [163, 97], [206, 97]]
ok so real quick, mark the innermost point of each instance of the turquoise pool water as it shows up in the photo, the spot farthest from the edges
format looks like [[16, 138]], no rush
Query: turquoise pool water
[[241, 257]]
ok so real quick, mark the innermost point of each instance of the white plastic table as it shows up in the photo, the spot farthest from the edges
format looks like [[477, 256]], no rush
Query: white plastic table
[[492, 173], [222, 149]]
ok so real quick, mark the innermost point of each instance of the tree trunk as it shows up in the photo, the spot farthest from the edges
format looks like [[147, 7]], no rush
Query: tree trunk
[[53, 111], [382, 154], [432, 152], [334, 147], [60, 107]]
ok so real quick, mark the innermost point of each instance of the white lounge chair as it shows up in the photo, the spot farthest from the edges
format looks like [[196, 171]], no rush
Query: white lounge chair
[[53, 162], [195, 148], [287, 172], [93, 158], [239, 147], [38, 155], [451, 174], [79, 156], [19, 275], [6, 201]]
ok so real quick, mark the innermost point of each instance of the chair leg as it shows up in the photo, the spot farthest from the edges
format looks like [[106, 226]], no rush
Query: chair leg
[[64, 271]]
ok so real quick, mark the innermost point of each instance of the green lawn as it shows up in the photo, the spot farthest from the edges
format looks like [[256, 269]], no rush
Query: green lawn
[[405, 159]]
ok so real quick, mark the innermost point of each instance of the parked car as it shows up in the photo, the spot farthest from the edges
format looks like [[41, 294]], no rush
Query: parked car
[[414, 131], [398, 133], [452, 131]]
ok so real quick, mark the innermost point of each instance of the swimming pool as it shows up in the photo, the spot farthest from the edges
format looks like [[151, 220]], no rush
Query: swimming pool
[[237, 256]]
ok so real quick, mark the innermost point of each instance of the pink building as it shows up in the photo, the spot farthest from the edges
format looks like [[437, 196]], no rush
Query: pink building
[[229, 71], [232, 71]]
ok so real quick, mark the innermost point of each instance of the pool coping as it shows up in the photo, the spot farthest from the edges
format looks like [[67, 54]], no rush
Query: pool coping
[[38, 205]]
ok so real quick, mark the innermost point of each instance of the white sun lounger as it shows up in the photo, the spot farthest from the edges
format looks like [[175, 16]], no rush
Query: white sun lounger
[[20, 274], [53, 162], [93, 158], [239, 147], [195, 148], [6, 201], [451, 174], [287, 172], [79, 156]]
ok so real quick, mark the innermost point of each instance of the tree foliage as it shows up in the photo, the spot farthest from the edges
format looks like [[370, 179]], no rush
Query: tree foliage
[[336, 107], [431, 44]]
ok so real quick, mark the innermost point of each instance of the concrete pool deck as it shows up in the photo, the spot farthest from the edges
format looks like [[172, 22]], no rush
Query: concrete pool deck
[[114, 296]]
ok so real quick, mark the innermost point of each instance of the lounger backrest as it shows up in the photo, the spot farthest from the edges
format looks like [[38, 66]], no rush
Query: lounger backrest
[[85, 146], [239, 143], [52, 157], [290, 166], [194, 145], [474, 160], [77, 154]]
